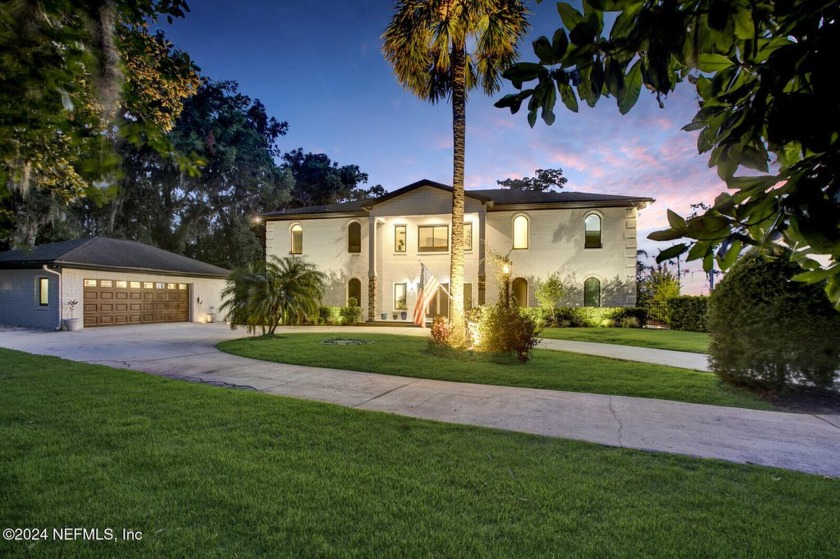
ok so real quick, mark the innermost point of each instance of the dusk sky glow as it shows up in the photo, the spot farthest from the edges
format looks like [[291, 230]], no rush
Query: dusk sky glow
[[319, 66]]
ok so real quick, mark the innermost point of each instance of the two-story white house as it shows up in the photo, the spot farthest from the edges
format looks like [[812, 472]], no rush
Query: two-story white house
[[372, 250]]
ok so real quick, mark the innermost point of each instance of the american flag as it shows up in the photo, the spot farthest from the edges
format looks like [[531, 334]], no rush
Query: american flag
[[428, 287]]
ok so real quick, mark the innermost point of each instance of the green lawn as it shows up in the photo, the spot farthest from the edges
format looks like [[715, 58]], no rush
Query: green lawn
[[410, 357], [695, 342], [211, 472]]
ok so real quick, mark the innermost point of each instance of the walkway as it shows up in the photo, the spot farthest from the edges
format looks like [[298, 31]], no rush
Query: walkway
[[809, 443]]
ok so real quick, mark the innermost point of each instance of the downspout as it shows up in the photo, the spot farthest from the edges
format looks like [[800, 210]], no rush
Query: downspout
[[44, 267]]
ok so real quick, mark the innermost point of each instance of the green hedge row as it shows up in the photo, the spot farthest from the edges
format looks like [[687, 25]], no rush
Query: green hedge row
[[339, 315], [588, 317], [688, 312]]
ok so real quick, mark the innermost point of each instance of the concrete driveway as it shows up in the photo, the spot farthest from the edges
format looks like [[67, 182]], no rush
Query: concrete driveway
[[809, 443]]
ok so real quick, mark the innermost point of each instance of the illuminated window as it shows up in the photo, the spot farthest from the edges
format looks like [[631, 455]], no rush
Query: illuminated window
[[160, 285], [592, 226], [354, 238], [106, 283], [592, 292], [122, 284], [90, 283], [520, 291], [354, 291], [43, 291], [148, 285], [182, 286], [520, 232], [171, 286], [134, 285], [400, 292], [297, 240], [433, 238], [400, 241], [468, 236]]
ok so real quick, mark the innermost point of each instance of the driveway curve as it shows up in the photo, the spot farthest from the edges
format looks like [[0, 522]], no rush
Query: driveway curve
[[804, 442]]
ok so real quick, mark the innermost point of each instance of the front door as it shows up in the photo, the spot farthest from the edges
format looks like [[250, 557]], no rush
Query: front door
[[439, 305]]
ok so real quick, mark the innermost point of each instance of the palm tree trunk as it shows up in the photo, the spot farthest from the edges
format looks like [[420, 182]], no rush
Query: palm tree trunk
[[459, 126]]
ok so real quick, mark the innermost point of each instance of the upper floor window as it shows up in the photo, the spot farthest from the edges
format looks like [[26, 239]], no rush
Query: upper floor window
[[400, 240], [520, 232], [592, 292], [592, 227], [432, 238], [354, 238], [297, 239]]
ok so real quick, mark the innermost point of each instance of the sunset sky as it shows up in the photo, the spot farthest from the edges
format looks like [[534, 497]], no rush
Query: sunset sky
[[318, 65]]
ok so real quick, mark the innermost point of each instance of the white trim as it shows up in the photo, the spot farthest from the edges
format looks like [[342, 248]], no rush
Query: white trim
[[513, 231]]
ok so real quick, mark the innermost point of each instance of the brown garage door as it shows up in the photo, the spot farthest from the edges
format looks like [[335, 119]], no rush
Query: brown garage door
[[115, 302]]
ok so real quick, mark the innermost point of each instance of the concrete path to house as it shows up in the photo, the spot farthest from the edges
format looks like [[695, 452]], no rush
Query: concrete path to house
[[804, 442]]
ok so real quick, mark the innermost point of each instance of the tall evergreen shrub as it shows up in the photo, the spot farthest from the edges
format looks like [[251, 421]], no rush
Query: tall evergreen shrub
[[769, 331]]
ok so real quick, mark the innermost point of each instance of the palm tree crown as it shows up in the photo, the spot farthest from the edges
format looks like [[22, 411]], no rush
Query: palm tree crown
[[423, 34]]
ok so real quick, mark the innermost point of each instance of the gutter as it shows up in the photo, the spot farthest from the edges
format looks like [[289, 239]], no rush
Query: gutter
[[44, 267]]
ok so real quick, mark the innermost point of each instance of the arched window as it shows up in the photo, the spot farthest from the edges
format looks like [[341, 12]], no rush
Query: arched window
[[592, 292], [297, 239], [520, 232], [354, 291], [354, 238], [592, 227], [520, 291]]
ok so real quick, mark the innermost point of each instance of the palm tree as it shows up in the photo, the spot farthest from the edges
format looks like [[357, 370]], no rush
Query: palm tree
[[441, 49], [266, 294]]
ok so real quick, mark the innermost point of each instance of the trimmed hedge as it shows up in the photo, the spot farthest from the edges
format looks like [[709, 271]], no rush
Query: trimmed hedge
[[596, 317], [770, 332], [688, 312], [339, 315]]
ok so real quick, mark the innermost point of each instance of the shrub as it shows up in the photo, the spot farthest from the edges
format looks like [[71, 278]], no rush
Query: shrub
[[769, 332], [550, 291], [595, 317], [350, 314], [441, 331], [688, 313], [506, 329]]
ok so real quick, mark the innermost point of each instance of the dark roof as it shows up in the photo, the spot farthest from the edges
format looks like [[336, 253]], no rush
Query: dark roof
[[356, 206], [505, 196], [109, 254], [496, 196]]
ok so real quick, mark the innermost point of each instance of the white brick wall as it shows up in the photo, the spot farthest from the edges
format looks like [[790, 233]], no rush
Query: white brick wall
[[556, 244], [209, 290]]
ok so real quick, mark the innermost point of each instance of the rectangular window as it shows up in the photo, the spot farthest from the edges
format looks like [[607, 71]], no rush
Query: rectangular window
[[171, 286], [182, 286], [122, 284], [90, 283], [400, 240], [400, 292], [148, 285], [468, 299], [106, 283], [160, 285], [43, 291], [134, 285], [468, 237], [433, 238]]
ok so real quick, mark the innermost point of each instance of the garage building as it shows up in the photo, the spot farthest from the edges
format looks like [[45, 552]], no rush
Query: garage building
[[113, 282]]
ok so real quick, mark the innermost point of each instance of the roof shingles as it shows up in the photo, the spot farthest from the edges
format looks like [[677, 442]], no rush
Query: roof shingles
[[116, 254]]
